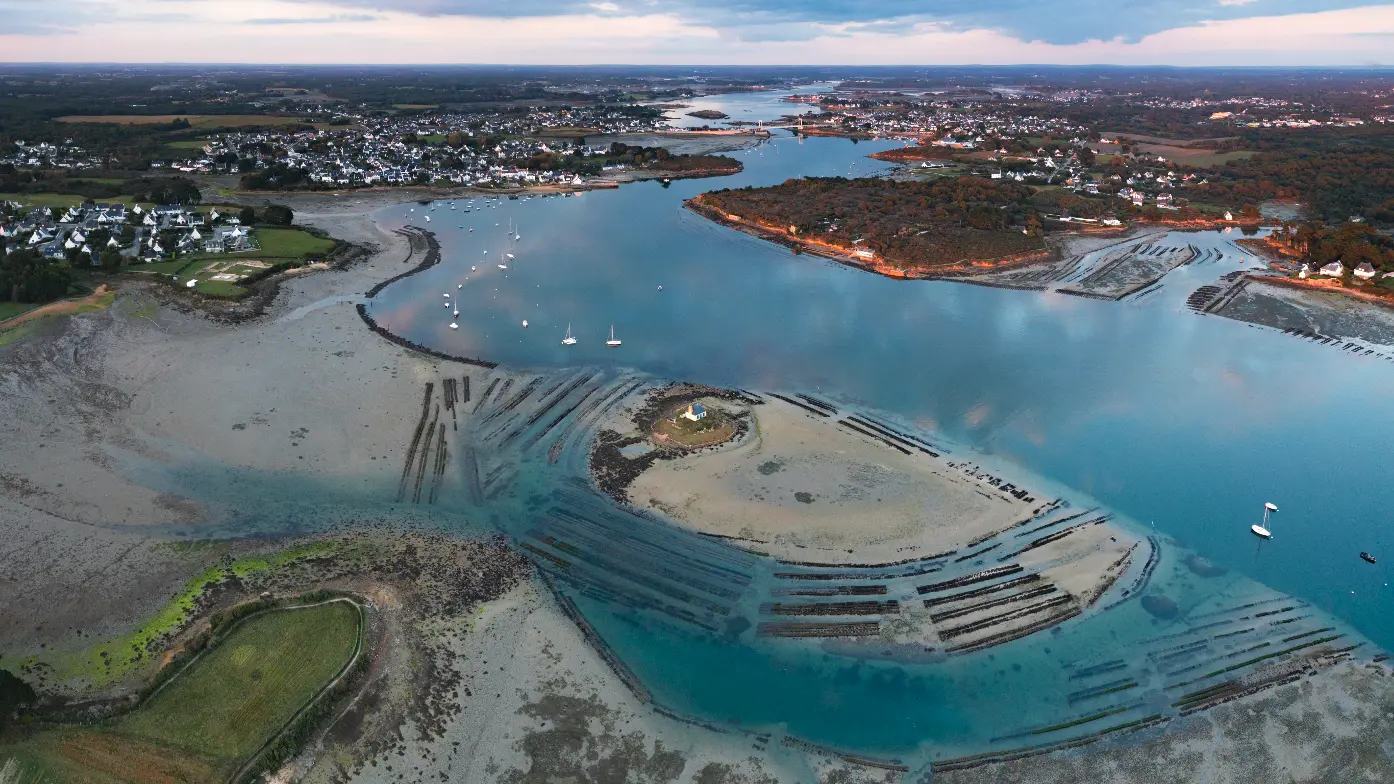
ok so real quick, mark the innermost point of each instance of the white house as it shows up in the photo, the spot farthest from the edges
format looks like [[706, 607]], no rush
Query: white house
[[1364, 271], [1334, 270], [1304, 272], [695, 412]]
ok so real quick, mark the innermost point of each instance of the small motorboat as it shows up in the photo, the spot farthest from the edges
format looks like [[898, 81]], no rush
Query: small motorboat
[[509, 255], [453, 325], [660, 288], [446, 295], [447, 304], [503, 266], [473, 268], [459, 285], [1367, 558], [525, 323]]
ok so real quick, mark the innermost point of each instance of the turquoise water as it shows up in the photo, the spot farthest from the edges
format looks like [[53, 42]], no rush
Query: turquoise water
[[1182, 424], [1183, 421]]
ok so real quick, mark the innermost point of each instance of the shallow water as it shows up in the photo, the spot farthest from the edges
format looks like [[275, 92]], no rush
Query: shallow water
[[1185, 424]]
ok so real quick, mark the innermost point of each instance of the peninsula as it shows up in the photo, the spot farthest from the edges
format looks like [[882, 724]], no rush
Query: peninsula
[[900, 229]]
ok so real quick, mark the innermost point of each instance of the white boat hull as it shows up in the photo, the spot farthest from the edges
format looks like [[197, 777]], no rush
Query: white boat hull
[[1261, 532]]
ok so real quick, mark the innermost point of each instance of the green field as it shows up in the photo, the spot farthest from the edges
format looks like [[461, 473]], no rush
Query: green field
[[211, 718], [237, 696], [196, 120], [62, 201], [188, 144], [9, 310], [289, 243], [222, 289]]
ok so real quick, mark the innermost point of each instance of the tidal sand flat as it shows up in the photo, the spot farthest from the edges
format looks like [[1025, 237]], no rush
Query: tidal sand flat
[[800, 487]]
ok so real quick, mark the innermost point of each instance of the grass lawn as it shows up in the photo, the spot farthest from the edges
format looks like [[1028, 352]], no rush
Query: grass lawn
[[222, 289], [290, 243], [188, 144], [9, 310], [243, 691]]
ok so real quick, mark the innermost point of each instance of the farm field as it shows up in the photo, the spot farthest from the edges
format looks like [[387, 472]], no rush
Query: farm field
[[213, 717], [196, 120], [1188, 156], [62, 201]]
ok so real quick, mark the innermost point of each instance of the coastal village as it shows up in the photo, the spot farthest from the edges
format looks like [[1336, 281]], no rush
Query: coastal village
[[87, 232]]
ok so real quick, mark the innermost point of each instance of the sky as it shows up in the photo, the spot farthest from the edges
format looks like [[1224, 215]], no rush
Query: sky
[[701, 32]]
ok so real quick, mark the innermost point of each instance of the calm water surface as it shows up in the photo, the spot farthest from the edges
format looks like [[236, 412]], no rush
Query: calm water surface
[[1184, 423]]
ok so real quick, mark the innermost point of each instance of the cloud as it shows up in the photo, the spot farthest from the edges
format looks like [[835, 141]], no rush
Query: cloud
[[1052, 21], [335, 18], [294, 31]]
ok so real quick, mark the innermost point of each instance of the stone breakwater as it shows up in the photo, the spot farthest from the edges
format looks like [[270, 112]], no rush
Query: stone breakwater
[[415, 234]]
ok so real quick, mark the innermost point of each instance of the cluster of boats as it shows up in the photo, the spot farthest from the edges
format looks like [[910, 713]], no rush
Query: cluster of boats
[[1261, 529], [514, 234]]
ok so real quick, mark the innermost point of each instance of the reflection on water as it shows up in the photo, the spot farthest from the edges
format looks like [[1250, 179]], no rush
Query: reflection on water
[[1181, 422]]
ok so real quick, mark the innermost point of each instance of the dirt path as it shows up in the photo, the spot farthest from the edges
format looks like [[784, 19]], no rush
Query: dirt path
[[62, 307]]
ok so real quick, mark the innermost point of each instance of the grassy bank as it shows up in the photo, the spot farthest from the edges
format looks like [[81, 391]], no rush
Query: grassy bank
[[114, 660], [210, 718]]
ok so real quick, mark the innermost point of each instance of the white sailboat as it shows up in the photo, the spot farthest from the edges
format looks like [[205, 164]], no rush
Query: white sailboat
[[453, 325], [509, 255], [1261, 530], [568, 340], [525, 323], [613, 341]]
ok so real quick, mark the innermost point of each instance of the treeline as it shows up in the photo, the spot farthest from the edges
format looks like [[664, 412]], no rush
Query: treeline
[[661, 159], [26, 276], [1335, 176], [1349, 243], [913, 224], [158, 190]]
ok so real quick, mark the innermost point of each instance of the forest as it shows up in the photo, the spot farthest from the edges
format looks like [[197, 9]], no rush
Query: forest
[[1335, 175], [914, 225]]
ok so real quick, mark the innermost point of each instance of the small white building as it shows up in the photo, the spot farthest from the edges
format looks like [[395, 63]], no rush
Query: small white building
[[695, 412], [1334, 270], [1364, 271]]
